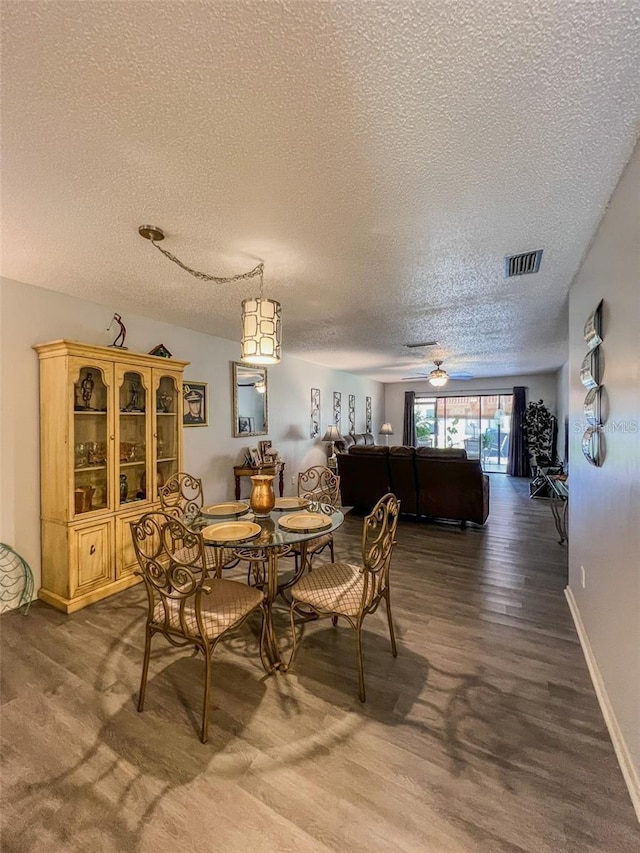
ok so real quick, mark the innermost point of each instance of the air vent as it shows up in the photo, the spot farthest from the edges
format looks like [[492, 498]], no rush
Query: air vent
[[523, 264]]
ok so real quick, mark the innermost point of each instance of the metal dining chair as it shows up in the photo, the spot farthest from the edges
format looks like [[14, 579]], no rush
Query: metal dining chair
[[182, 497], [319, 484], [185, 605], [343, 589]]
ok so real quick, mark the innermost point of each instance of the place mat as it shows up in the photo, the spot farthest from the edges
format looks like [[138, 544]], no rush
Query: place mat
[[231, 531], [305, 522], [231, 509], [287, 504]]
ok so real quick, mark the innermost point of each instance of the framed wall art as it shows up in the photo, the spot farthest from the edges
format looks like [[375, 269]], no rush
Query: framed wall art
[[352, 414], [368, 426], [337, 410], [195, 404], [315, 413]]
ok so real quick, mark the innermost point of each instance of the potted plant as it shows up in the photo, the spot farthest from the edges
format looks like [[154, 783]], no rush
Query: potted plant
[[538, 427]]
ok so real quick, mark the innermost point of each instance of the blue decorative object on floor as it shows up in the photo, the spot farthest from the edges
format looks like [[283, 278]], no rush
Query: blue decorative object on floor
[[16, 580]]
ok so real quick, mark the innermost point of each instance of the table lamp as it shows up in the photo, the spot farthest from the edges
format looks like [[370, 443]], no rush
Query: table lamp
[[386, 429], [332, 434]]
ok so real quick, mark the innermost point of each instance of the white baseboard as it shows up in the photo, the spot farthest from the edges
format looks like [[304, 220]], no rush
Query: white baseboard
[[622, 753]]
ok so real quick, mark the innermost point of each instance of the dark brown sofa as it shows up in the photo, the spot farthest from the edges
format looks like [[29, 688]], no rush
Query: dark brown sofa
[[358, 439], [428, 482]]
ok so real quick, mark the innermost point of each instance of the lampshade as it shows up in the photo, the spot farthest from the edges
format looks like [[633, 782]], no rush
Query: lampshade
[[332, 433], [438, 377], [260, 317], [260, 331], [386, 429]]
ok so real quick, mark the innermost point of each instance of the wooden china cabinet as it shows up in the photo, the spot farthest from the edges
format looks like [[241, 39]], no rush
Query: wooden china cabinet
[[110, 435]]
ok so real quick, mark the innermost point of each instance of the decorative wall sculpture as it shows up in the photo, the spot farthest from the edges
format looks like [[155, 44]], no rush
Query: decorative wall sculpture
[[591, 378], [337, 410], [315, 413]]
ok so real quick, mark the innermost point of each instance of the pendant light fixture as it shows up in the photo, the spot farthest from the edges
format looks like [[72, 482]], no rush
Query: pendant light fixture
[[438, 377], [261, 318]]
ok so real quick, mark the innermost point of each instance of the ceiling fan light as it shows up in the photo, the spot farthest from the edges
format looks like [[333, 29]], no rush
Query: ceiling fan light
[[438, 377]]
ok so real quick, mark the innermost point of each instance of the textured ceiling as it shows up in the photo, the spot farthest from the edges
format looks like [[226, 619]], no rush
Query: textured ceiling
[[381, 157]]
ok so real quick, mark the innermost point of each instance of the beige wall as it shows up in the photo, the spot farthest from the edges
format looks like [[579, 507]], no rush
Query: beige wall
[[30, 315], [604, 509]]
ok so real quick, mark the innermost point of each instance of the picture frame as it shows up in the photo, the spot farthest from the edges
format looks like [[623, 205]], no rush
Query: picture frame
[[368, 418], [195, 404], [254, 456], [245, 425], [264, 448], [270, 459], [315, 413]]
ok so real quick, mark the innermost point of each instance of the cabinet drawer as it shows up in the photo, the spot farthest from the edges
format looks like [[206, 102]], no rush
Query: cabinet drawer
[[91, 553]]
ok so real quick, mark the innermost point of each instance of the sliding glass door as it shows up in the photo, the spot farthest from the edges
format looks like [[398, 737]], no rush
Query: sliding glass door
[[480, 424]]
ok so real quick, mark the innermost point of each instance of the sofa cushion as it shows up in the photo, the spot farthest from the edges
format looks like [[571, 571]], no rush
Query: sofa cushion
[[369, 450], [441, 452], [343, 445], [401, 450]]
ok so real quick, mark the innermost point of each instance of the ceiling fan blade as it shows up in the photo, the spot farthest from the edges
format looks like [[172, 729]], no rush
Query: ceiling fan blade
[[463, 376]]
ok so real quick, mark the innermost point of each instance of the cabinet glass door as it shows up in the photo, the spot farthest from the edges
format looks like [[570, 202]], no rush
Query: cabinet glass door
[[90, 441], [133, 395], [167, 427]]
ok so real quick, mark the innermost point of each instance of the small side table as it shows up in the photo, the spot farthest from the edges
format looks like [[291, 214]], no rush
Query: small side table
[[240, 471]]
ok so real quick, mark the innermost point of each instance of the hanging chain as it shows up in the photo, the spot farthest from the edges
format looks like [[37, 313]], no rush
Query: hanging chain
[[257, 270]]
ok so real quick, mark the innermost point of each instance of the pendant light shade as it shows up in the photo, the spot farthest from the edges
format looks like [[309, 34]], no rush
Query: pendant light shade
[[260, 331]]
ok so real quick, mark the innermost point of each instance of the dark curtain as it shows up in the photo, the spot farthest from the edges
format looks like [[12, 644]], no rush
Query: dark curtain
[[518, 465], [409, 438]]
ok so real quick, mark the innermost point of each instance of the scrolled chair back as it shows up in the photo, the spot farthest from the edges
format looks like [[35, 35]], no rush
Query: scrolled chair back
[[319, 483], [182, 496], [378, 539], [171, 560]]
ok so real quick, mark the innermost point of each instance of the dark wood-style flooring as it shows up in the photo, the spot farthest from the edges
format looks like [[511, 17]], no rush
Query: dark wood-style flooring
[[484, 734]]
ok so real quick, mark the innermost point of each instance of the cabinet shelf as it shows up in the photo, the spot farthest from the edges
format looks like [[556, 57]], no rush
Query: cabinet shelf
[[166, 414], [85, 412], [90, 468], [132, 414], [167, 459], [132, 464]]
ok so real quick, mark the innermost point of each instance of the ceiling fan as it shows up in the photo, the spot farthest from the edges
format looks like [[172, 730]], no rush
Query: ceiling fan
[[440, 377]]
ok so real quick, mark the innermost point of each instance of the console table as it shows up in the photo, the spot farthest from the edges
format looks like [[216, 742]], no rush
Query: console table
[[559, 494], [240, 471]]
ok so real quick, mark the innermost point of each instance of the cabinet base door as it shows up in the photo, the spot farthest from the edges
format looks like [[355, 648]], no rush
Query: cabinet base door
[[91, 557]]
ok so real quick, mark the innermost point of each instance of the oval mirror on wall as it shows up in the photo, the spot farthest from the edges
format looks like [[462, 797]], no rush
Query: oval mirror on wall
[[250, 400]]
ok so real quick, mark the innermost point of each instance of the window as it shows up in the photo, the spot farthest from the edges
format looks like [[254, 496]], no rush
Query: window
[[480, 424]]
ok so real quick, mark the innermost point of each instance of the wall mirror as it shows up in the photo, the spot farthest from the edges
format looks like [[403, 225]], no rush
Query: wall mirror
[[250, 400]]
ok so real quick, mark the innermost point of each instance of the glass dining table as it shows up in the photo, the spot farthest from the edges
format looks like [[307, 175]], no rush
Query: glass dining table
[[276, 538]]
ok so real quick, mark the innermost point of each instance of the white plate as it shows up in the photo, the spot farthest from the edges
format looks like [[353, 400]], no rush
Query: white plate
[[231, 531], [231, 509], [305, 522], [287, 504]]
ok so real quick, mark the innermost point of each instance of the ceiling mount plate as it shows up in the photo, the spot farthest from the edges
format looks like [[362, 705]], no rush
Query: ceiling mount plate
[[150, 232]]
